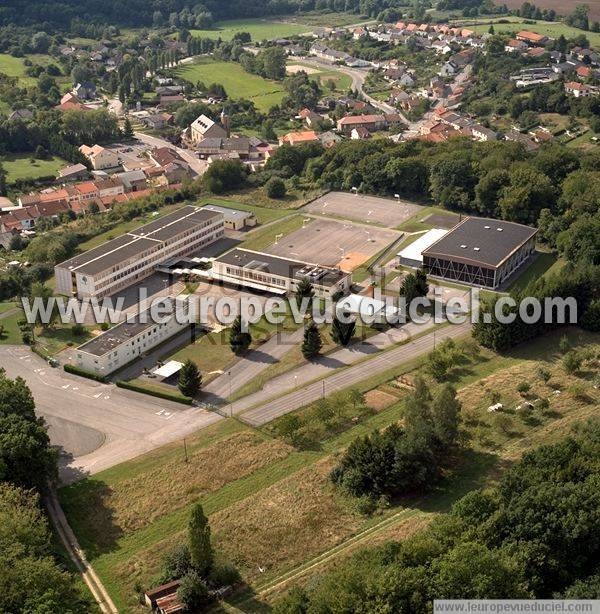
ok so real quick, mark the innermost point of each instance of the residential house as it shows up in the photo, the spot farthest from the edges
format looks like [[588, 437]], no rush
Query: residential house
[[514, 45], [329, 139], [100, 157], [203, 127], [76, 172], [532, 38], [407, 80], [157, 121], [578, 90], [22, 114], [70, 102], [310, 118], [296, 138], [133, 181], [373, 123], [481, 133], [360, 133], [528, 143], [85, 90]]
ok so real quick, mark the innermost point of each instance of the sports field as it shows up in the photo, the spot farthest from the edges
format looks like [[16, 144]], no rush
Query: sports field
[[259, 29], [553, 29], [236, 81]]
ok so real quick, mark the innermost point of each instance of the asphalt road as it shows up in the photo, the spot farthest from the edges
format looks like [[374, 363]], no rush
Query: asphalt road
[[197, 165], [96, 425], [349, 376]]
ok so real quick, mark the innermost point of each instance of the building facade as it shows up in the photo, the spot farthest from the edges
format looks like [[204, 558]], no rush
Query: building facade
[[480, 251], [277, 275], [128, 340], [132, 257]]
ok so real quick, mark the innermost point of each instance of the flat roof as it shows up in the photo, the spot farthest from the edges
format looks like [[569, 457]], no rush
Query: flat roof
[[283, 267], [137, 241], [168, 369], [121, 333], [414, 251], [481, 241], [229, 213]]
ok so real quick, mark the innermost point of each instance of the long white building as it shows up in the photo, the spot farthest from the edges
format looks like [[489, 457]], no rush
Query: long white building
[[130, 258], [128, 340]]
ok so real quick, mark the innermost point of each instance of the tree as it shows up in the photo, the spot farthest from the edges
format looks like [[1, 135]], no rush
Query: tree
[[238, 339], [445, 412], [413, 286], [312, 342], [36, 582], [127, 129], [275, 188], [190, 379], [342, 332], [193, 591], [201, 550], [44, 317], [224, 176], [304, 289], [288, 427]]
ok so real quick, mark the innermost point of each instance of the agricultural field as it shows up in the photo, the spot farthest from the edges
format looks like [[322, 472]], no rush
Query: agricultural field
[[23, 167], [553, 29], [259, 29], [236, 81], [562, 7], [272, 508]]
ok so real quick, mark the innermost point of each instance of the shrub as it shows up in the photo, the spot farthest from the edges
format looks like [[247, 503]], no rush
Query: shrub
[[523, 388], [169, 396], [571, 362], [275, 188], [78, 330], [75, 370]]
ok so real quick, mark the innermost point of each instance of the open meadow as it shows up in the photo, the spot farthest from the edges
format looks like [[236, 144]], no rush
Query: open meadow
[[26, 167], [259, 29], [272, 508], [552, 29], [236, 81]]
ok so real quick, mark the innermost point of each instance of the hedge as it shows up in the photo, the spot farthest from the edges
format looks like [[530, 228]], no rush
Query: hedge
[[83, 373], [169, 396]]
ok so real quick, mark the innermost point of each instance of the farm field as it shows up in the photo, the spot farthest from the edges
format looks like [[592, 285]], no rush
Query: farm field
[[22, 167], [553, 29], [562, 7], [236, 81], [258, 29], [254, 485]]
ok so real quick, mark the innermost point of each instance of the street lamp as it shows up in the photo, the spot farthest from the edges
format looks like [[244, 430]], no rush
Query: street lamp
[[277, 237]]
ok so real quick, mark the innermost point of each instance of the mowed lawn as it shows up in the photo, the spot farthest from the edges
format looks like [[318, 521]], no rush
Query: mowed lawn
[[24, 167], [236, 81], [259, 29], [553, 29]]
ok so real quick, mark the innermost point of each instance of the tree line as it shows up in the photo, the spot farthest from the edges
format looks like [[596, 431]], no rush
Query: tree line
[[534, 535]]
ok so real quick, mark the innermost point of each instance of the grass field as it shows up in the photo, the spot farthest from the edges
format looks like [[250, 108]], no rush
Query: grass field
[[236, 81], [342, 81], [259, 29], [553, 29], [264, 215], [21, 167], [272, 506]]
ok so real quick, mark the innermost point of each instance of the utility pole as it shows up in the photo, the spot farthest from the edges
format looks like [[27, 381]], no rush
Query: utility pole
[[185, 451], [323, 391]]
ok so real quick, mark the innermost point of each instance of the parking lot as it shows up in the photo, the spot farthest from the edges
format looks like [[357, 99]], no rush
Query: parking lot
[[132, 155], [366, 209], [334, 243]]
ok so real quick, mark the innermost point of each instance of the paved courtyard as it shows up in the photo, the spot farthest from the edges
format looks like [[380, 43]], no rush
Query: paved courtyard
[[334, 243], [367, 209]]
